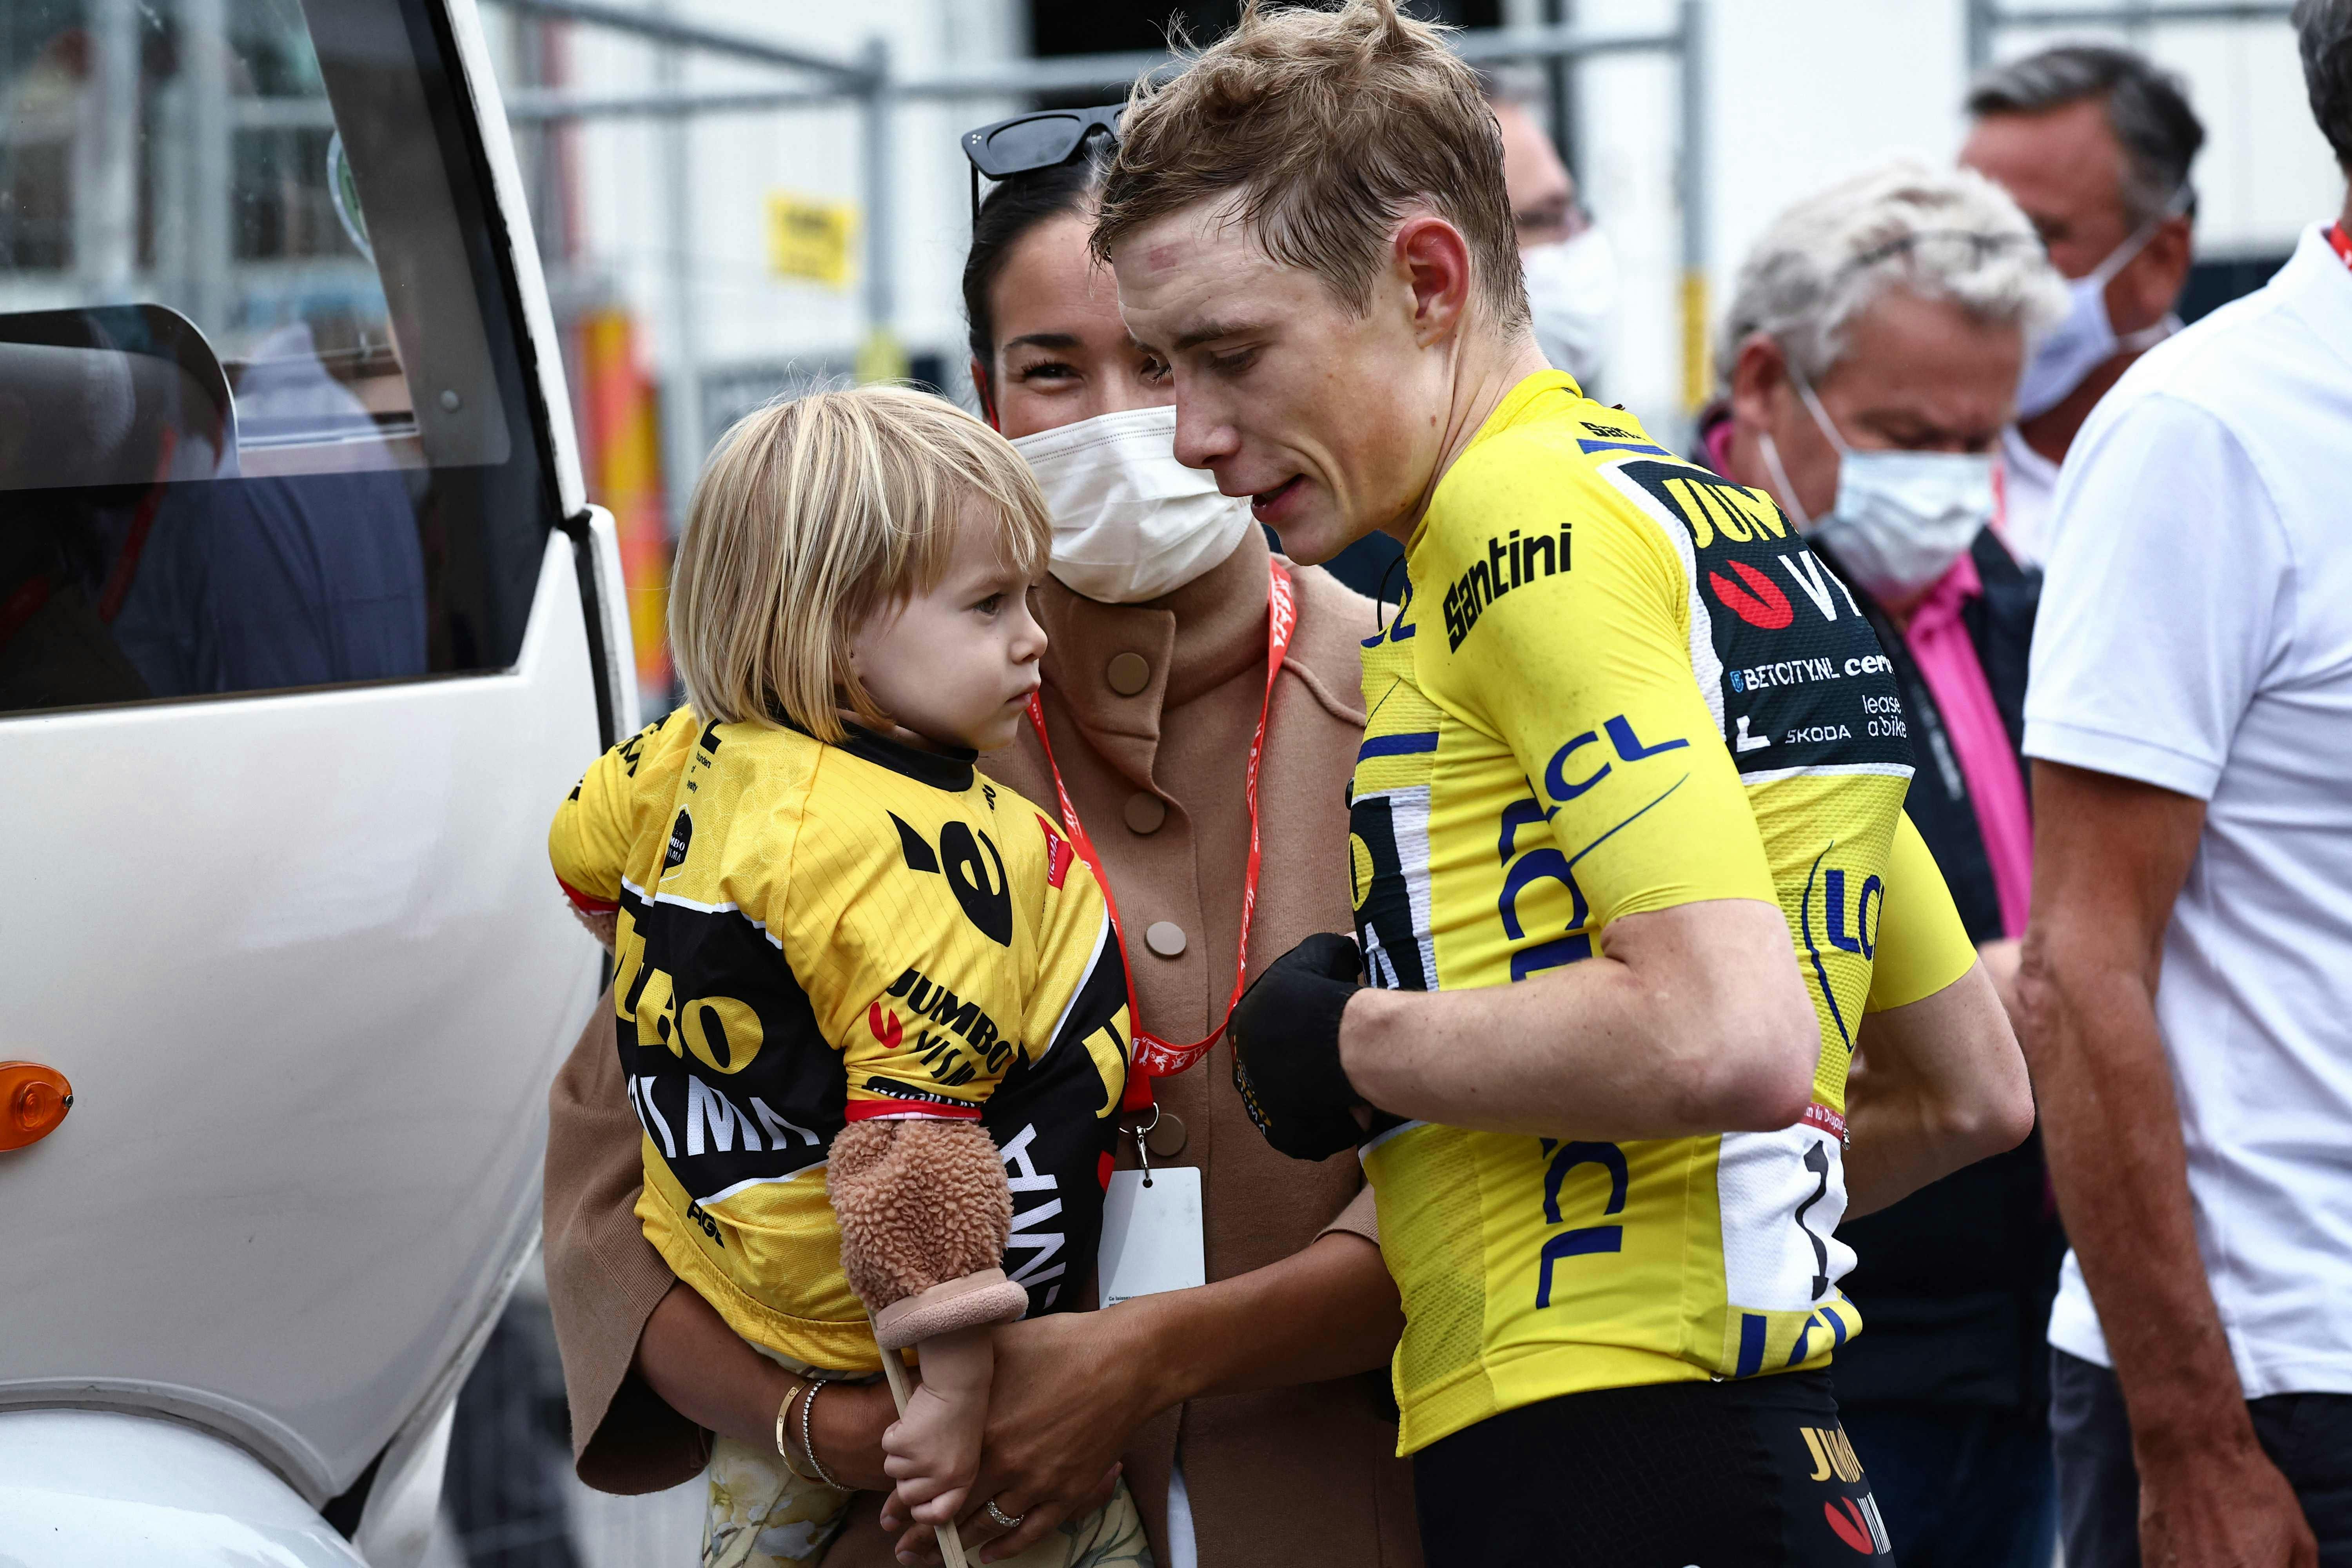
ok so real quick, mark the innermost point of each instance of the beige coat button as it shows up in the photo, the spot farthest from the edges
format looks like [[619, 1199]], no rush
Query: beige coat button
[[1144, 813], [1128, 673], [1168, 1137], [1165, 938]]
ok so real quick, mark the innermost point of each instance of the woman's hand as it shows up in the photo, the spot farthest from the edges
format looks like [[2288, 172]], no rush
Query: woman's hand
[[985, 1541], [1069, 1390]]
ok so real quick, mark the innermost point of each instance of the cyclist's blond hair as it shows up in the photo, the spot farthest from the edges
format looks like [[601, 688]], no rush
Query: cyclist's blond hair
[[1326, 128], [812, 516]]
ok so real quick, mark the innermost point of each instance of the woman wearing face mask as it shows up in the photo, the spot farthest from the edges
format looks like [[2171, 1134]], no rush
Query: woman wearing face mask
[[1234, 1407], [1871, 358]]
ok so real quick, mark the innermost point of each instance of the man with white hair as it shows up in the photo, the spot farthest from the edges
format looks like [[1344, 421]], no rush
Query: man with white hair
[[1870, 361]]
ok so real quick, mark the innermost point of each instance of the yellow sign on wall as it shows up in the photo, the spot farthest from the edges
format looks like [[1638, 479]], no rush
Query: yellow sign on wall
[[810, 239]]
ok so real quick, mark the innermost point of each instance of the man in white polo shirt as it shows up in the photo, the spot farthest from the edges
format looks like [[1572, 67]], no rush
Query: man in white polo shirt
[[2189, 967]]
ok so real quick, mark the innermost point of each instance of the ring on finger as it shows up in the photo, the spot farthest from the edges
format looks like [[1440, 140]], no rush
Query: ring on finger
[[1009, 1521]]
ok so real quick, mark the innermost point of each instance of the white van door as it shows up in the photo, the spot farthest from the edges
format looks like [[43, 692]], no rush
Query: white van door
[[305, 630]]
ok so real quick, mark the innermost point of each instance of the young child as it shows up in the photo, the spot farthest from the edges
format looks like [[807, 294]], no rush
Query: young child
[[832, 937]]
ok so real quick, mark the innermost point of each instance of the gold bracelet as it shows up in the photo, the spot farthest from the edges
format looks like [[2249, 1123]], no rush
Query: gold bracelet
[[783, 1425]]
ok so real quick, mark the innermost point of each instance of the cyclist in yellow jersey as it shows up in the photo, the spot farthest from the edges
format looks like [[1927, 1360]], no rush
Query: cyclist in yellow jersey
[[1632, 879], [1517, 795]]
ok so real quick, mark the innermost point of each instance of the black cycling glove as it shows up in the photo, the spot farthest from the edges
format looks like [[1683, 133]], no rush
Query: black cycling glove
[[1285, 1036]]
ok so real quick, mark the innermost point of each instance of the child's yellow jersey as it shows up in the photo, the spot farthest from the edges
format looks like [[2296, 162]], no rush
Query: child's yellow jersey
[[1620, 684], [810, 934]]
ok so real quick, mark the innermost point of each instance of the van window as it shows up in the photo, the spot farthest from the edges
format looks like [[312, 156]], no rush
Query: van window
[[263, 417]]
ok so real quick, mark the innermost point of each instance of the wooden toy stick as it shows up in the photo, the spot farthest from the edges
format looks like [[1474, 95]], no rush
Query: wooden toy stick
[[950, 1543]]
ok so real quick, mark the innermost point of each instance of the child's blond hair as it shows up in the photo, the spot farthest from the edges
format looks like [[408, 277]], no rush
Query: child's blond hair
[[812, 515]]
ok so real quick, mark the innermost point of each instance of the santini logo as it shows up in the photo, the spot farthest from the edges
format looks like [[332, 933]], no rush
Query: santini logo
[[1510, 564]]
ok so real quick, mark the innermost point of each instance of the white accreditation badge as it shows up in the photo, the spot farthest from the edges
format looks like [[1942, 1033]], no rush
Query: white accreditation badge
[[1151, 1233]]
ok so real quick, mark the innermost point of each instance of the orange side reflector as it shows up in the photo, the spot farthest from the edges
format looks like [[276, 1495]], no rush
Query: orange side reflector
[[33, 1100]]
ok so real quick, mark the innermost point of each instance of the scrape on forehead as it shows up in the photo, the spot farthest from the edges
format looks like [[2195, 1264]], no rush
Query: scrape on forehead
[[1179, 270], [1213, 226]]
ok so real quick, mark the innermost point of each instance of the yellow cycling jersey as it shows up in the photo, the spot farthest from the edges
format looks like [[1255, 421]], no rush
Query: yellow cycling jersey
[[1620, 684], [810, 934]]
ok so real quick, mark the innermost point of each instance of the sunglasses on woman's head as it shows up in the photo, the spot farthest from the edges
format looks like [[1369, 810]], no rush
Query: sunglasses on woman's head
[[1042, 139]]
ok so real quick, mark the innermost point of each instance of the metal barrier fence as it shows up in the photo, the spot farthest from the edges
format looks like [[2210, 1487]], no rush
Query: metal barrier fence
[[870, 80]]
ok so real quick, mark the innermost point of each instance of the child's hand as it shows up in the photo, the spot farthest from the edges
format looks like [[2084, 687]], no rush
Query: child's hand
[[933, 1452]]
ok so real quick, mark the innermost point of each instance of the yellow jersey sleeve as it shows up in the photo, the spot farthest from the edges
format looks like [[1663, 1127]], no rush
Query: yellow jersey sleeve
[[1627, 770], [1922, 945], [612, 807]]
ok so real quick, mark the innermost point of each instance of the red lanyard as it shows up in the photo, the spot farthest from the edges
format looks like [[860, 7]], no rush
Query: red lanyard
[[2342, 243], [1154, 1057]]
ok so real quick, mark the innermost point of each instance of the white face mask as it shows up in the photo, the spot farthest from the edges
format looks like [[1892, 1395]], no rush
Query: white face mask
[[1572, 296], [1901, 517], [2086, 339], [1131, 523]]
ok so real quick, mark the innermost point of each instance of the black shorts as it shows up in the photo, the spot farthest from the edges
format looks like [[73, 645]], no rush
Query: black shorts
[[1755, 1474]]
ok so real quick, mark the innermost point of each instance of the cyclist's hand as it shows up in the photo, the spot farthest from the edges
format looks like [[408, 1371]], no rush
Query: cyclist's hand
[[1285, 1037]]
